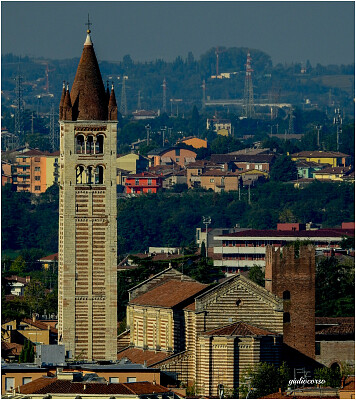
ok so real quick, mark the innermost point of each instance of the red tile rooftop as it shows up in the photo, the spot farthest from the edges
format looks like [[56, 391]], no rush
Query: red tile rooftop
[[169, 294], [46, 385], [255, 233], [139, 356], [239, 329]]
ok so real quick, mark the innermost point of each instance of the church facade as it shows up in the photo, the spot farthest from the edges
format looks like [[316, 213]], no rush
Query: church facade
[[87, 294]]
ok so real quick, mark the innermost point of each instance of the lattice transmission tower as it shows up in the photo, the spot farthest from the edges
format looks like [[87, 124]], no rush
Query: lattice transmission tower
[[123, 106], [54, 134], [19, 138], [248, 104], [164, 102]]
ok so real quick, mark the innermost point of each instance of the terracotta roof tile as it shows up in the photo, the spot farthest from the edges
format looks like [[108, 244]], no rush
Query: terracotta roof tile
[[305, 234], [40, 325], [349, 384], [51, 257], [320, 154], [46, 385], [139, 356], [169, 294], [239, 329]]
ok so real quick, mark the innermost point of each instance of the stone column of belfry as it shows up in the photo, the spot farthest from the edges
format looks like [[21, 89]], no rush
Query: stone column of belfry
[[87, 282]]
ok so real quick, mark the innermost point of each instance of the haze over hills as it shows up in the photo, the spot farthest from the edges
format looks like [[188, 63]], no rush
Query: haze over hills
[[299, 84]]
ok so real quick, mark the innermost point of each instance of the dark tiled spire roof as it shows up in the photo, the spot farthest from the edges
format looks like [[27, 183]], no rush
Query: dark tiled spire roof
[[112, 108], [88, 92], [67, 107], [61, 103]]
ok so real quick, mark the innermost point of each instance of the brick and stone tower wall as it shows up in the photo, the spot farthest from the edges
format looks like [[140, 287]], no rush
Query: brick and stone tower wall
[[87, 289], [292, 278]]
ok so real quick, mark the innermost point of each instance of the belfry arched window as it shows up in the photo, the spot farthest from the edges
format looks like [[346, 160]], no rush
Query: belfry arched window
[[80, 174], [80, 144], [99, 175], [90, 145], [90, 175], [99, 144]]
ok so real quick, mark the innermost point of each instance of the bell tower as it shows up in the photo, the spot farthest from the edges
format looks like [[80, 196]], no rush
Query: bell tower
[[87, 282]]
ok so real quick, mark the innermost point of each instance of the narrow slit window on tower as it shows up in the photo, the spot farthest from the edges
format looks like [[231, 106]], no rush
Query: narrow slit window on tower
[[80, 149], [99, 145], [286, 317], [286, 295], [99, 174], [90, 145]]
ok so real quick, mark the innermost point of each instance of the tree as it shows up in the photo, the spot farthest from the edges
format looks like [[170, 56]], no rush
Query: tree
[[18, 266], [334, 288], [283, 169], [34, 295], [264, 379], [331, 376], [27, 354], [256, 275]]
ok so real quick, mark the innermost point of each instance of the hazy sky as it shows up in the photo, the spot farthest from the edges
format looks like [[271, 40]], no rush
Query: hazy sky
[[323, 32]]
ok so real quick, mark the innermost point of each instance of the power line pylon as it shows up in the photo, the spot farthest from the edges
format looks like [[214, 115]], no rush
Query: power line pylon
[[204, 93], [338, 123], [123, 107], [164, 102], [19, 112], [139, 100], [249, 108], [291, 122], [53, 131]]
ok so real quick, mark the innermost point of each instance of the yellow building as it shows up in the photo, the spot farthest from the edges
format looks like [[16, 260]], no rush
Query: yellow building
[[333, 173], [132, 162], [333, 158], [220, 181], [35, 331], [195, 142]]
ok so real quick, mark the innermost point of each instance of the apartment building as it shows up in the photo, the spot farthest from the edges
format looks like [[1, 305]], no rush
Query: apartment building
[[244, 249]]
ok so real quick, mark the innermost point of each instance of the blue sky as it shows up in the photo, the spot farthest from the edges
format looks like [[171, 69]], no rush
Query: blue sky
[[321, 31]]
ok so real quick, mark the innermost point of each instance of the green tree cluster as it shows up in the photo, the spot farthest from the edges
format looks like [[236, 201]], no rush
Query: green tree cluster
[[264, 379], [27, 354]]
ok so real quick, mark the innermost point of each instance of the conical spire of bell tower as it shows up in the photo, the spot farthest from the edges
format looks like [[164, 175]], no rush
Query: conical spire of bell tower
[[88, 92], [112, 107], [61, 103]]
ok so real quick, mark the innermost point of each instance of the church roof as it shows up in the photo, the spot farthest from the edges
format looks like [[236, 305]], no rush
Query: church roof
[[239, 329], [88, 96], [169, 294]]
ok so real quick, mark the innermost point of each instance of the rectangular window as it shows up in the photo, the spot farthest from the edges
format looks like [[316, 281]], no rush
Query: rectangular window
[[211, 180], [9, 383], [177, 152], [317, 348], [37, 187], [37, 159], [37, 169], [131, 379], [137, 181], [37, 178], [9, 327], [26, 379], [114, 379], [149, 181]]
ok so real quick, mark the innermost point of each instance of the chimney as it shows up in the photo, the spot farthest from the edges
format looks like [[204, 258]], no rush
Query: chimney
[[28, 279], [33, 317]]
